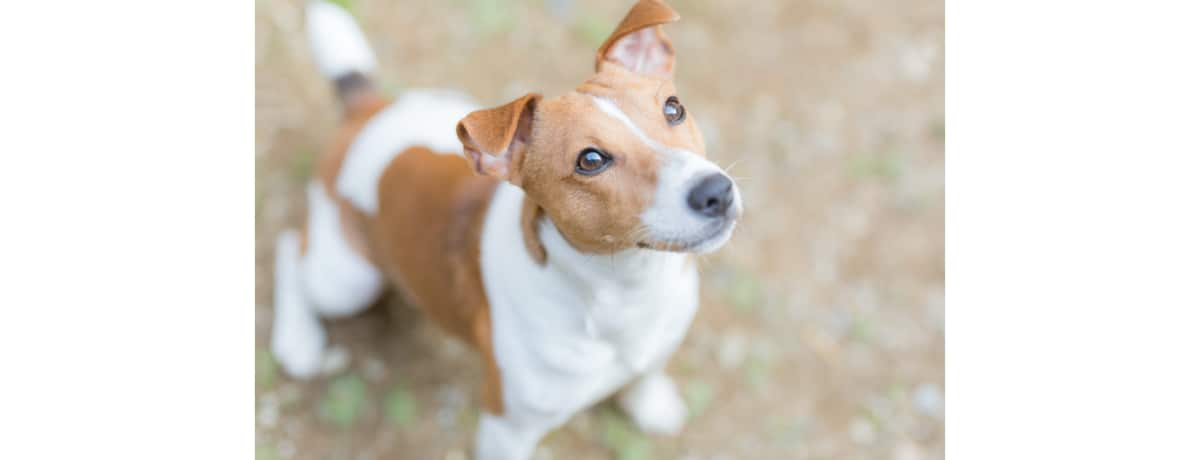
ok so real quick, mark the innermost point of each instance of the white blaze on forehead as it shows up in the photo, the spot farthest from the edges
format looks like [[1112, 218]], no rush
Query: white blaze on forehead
[[609, 108], [669, 218]]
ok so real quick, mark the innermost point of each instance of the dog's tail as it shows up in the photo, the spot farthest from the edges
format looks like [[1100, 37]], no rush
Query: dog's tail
[[341, 52]]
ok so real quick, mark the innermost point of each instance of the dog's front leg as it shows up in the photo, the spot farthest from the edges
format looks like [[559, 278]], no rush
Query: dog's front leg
[[506, 437], [654, 404]]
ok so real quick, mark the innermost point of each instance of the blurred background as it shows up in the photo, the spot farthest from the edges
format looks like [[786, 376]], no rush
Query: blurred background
[[821, 329]]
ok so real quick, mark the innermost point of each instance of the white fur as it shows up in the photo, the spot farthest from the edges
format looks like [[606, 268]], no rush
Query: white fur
[[339, 281], [571, 332], [329, 280], [337, 43], [654, 404], [669, 219], [297, 338], [642, 52], [419, 117]]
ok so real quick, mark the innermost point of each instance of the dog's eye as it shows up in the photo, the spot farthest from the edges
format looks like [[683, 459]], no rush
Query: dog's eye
[[674, 111], [592, 161]]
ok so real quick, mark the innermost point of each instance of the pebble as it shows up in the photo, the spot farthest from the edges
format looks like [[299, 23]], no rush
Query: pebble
[[335, 360], [293, 427], [455, 454], [908, 451], [374, 369], [562, 10], [453, 348], [838, 323], [916, 60], [862, 431], [268, 410], [451, 401], [928, 399], [286, 449], [732, 351]]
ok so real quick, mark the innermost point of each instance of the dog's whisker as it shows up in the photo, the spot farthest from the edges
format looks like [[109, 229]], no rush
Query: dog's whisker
[[731, 165]]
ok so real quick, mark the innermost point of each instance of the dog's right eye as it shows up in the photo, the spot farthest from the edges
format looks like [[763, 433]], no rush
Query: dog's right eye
[[592, 161], [674, 112]]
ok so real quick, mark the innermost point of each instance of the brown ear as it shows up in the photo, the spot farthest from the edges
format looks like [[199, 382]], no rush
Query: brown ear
[[639, 44], [495, 140]]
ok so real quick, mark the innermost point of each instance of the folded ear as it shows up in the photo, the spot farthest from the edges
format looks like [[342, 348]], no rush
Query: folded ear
[[639, 44], [495, 140]]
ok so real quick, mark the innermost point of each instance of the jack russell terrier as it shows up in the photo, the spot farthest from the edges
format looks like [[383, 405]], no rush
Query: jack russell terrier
[[558, 244]]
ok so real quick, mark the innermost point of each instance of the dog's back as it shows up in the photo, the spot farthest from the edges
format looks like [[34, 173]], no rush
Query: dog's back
[[392, 203]]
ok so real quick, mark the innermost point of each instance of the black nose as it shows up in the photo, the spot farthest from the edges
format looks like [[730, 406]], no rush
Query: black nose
[[712, 196]]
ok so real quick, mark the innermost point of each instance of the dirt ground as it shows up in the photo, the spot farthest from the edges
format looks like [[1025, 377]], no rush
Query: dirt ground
[[821, 330]]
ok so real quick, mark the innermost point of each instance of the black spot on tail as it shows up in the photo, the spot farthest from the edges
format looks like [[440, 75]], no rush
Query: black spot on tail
[[351, 88]]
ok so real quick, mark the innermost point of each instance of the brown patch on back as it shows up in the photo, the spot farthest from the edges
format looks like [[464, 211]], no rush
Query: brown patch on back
[[427, 238]]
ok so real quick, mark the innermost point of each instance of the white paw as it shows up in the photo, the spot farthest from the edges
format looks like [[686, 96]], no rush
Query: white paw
[[654, 405], [298, 344]]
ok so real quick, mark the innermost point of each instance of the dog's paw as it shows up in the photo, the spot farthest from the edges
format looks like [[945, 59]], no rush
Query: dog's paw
[[298, 346], [654, 405]]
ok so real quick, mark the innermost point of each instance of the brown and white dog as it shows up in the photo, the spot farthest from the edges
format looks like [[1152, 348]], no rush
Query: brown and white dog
[[557, 245]]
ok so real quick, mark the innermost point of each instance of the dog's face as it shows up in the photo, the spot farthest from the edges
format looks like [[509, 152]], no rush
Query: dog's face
[[619, 162]]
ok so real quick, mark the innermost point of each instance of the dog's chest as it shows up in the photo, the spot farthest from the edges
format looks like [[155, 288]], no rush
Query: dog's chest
[[566, 335], [565, 361], [640, 325]]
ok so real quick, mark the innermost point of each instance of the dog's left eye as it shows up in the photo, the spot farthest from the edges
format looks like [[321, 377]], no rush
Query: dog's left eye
[[592, 161], [673, 111]]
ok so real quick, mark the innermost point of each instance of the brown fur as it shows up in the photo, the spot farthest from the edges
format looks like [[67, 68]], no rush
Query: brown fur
[[501, 134], [358, 112], [436, 264], [427, 235], [601, 214], [531, 216], [645, 13]]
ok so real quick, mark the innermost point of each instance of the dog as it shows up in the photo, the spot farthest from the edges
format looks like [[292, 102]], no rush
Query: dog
[[554, 236]]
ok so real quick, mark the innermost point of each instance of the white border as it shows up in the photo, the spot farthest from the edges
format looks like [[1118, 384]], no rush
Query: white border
[[1073, 222], [1072, 285], [126, 249]]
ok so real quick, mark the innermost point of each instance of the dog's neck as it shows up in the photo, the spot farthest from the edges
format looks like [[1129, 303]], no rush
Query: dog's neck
[[625, 296], [627, 269]]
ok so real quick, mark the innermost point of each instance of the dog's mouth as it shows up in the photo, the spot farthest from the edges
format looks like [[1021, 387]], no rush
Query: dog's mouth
[[710, 239]]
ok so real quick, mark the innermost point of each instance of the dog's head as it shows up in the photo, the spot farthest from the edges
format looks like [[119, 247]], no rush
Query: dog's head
[[619, 162]]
